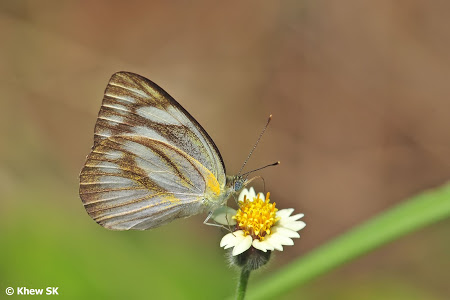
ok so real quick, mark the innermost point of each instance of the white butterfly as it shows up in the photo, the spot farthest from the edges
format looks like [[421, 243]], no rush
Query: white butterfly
[[151, 161]]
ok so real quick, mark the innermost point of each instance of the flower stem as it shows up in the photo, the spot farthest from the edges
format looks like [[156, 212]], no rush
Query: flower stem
[[242, 284]]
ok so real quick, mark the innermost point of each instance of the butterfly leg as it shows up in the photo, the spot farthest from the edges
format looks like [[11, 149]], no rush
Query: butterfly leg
[[226, 215], [214, 224], [208, 217]]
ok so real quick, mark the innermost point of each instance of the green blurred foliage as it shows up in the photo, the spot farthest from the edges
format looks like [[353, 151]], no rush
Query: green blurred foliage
[[360, 102]]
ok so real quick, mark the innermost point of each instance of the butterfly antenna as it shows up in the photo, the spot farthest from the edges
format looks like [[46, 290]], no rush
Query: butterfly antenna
[[256, 144], [258, 177], [269, 165]]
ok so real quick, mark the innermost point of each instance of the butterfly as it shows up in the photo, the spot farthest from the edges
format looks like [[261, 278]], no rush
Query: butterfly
[[151, 161]]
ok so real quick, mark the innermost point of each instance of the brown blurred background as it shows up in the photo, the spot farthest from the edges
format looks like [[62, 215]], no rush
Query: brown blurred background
[[359, 94]]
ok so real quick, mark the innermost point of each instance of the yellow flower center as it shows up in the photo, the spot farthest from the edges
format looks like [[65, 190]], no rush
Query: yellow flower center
[[256, 217]]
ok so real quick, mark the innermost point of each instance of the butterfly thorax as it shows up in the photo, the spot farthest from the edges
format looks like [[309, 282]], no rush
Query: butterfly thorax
[[234, 184]]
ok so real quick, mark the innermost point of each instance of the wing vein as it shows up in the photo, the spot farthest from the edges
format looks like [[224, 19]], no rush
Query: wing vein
[[136, 91]]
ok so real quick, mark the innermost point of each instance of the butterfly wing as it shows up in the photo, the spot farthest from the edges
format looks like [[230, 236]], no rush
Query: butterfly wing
[[135, 105], [151, 161], [134, 182]]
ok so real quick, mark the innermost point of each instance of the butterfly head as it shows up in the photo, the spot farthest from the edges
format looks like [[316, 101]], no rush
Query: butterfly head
[[239, 183], [236, 183]]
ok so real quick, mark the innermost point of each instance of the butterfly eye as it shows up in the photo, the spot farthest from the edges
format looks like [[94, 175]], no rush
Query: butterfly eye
[[238, 184]]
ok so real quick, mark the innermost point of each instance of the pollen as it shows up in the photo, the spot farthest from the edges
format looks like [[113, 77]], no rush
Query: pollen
[[256, 217]]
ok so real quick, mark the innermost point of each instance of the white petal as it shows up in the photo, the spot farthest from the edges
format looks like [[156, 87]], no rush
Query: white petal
[[274, 243], [243, 193], [261, 196], [284, 213], [296, 225], [243, 245], [280, 239], [224, 215], [286, 232], [231, 239], [263, 246], [251, 194], [294, 217], [227, 240]]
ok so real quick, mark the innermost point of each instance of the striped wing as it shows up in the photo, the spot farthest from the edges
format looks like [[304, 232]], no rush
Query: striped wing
[[134, 105], [151, 161], [135, 182]]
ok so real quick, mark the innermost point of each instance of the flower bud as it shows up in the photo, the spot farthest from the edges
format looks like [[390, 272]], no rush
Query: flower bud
[[251, 259]]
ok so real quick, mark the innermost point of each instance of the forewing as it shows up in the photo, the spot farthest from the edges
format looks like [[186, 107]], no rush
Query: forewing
[[134, 182], [134, 105]]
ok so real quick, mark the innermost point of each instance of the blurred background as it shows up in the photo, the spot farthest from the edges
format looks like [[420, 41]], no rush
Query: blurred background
[[359, 94]]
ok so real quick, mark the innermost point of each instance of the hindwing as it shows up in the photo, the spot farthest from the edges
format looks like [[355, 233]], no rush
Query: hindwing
[[132, 182]]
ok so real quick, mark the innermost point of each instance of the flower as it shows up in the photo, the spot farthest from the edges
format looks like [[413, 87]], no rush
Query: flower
[[259, 224]]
